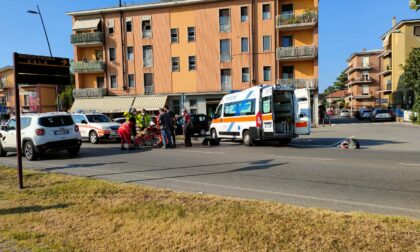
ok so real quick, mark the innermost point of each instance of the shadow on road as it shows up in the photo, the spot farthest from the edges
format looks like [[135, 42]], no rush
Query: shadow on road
[[72, 166], [31, 209], [253, 166]]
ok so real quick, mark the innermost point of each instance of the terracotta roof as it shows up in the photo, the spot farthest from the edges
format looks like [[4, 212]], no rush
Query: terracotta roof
[[338, 94]]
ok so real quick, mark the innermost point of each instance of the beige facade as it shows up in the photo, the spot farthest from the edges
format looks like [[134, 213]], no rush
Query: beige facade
[[195, 50], [364, 82]]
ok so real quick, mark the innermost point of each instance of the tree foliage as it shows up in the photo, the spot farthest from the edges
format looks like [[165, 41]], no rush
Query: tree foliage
[[411, 76], [339, 84], [66, 98]]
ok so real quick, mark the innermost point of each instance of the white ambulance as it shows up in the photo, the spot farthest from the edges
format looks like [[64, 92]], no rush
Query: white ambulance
[[261, 113]]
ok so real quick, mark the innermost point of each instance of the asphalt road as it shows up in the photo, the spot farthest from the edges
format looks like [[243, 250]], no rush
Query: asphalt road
[[383, 177]]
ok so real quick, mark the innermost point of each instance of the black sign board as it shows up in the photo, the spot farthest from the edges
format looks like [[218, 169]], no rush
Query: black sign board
[[35, 69]]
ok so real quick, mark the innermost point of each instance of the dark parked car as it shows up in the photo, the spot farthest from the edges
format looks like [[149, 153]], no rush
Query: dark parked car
[[200, 124], [380, 114]]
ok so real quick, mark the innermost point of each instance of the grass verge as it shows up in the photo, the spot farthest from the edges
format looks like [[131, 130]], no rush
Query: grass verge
[[64, 213]]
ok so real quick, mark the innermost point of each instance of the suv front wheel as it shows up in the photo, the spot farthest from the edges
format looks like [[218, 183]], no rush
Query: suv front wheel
[[29, 151], [93, 137]]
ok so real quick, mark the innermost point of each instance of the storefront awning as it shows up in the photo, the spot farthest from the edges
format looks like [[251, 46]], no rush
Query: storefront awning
[[150, 103], [103, 105], [86, 24]]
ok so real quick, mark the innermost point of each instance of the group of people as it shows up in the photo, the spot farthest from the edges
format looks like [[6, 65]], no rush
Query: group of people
[[166, 123]]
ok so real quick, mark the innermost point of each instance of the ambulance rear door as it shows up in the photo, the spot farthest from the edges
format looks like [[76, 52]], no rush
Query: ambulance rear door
[[267, 111], [302, 111]]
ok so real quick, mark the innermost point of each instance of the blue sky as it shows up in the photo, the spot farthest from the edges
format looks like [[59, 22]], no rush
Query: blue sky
[[345, 27]]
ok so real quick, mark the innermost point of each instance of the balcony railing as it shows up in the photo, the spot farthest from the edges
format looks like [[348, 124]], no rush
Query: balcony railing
[[89, 92], [297, 20], [147, 33], [362, 79], [87, 38], [97, 66], [389, 86], [149, 90], [225, 57], [299, 83], [224, 27], [300, 52], [226, 87], [358, 67]]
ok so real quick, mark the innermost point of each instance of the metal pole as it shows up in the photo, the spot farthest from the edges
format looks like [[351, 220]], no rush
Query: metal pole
[[45, 31], [17, 117], [49, 48]]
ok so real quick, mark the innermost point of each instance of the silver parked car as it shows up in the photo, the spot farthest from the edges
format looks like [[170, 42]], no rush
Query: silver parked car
[[344, 113]]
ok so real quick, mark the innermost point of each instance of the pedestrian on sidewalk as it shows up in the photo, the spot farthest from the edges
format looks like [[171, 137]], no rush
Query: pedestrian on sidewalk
[[165, 128], [186, 127], [173, 120]]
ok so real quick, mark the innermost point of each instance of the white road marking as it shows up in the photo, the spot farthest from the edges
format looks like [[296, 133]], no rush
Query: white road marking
[[304, 158], [206, 152], [409, 164]]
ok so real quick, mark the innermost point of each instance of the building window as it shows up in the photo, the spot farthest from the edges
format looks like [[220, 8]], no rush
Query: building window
[[193, 103], [266, 11], [129, 25], [245, 74], [225, 55], [100, 82], [147, 56], [114, 84], [226, 80], [417, 31], [266, 43], [112, 54], [191, 34], [244, 45], [365, 76], [193, 111], [365, 61], [365, 90], [175, 64], [244, 13], [146, 28], [131, 81], [176, 106], [148, 83], [267, 73], [99, 55], [174, 35], [287, 41], [110, 24], [191, 63], [288, 72], [130, 53], [287, 10], [224, 20]]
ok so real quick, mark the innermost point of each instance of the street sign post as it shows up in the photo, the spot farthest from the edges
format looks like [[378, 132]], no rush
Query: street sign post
[[32, 70]]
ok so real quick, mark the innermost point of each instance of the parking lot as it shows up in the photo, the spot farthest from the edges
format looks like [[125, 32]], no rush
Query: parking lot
[[382, 177]]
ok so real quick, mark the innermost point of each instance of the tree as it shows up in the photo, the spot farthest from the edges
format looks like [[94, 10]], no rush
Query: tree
[[411, 77], [339, 84], [415, 4], [66, 98]]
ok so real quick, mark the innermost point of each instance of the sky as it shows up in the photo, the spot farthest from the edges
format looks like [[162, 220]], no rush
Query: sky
[[345, 27]]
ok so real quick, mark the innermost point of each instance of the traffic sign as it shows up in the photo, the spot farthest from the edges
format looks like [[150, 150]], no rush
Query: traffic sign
[[35, 69]]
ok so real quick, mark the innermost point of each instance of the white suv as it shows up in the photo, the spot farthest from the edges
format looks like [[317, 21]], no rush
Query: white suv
[[96, 127], [41, 133]]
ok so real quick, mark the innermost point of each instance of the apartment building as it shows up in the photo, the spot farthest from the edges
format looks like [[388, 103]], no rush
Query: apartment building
[[363, 80], [33, 98], [398, 43], [191, 53]]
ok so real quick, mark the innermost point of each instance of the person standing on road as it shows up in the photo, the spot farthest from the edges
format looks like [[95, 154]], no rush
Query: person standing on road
[[186, 127], [143, 120], [131, 116], [173, 120], [165, 128]]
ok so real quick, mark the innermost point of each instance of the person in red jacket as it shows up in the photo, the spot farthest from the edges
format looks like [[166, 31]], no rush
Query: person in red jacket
[[124, 131]]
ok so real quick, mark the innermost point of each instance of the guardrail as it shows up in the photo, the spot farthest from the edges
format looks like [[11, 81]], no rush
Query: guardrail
[[89, 92], [311, 83]]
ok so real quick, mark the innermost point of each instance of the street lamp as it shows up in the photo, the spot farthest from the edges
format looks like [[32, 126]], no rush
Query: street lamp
[[43, 25]]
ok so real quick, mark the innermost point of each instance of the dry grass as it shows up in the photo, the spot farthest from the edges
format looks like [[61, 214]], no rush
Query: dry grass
[[64, 213]]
